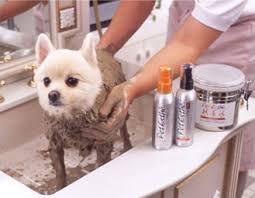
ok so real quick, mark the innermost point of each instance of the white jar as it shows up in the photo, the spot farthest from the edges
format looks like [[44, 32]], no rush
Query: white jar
[[219, 88]]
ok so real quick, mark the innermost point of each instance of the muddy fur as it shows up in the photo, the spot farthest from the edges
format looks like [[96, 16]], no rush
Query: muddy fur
[[66, 133]]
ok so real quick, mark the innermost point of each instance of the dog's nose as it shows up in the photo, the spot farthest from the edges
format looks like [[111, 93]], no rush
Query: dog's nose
[[54, 96]]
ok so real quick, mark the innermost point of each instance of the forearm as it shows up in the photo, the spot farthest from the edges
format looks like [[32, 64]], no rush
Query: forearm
[[14, 7], [185, 47], [172, 55], [128, 18]]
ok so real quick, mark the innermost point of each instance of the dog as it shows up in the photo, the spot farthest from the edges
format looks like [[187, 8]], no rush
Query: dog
[[72, 86]]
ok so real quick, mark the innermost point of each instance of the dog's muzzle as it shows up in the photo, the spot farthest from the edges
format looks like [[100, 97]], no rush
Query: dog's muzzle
[[54, 98]]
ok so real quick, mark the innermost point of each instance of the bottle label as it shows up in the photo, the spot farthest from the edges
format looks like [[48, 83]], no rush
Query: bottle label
[[184, 121], [161, 122]]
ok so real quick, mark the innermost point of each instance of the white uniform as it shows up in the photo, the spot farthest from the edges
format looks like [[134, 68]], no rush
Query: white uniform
[[221, 14]]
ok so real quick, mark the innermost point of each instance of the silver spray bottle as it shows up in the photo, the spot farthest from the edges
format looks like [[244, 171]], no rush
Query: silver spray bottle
[[163, 114], [185, 108]]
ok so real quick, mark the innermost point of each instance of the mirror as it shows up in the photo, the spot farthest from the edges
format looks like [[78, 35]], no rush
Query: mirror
[[20, 24]]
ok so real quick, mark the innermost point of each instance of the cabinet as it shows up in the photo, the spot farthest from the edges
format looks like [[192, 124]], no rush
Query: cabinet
[[206, 182], [213, 169]]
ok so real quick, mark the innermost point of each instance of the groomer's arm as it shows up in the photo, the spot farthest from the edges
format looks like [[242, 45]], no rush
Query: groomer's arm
[[14, 7], [192, 39], [128, 18]]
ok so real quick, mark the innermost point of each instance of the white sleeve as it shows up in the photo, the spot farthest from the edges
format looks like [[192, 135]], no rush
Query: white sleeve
[[218, 14]]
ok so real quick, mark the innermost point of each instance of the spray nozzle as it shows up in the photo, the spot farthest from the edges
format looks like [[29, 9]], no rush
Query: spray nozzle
[[186, 77], [165, 79]]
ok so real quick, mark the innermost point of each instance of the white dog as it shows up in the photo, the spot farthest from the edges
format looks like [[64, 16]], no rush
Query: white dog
[[72, 85]]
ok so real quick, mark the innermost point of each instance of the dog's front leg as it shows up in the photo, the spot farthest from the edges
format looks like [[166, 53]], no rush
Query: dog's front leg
[[126, 137], [104, 151], [57, 156]]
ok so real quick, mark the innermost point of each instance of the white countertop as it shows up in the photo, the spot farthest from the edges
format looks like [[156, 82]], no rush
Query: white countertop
[[140, 171], [10, 188], [151, 170]]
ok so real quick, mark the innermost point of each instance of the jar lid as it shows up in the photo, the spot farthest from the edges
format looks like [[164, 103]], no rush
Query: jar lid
[[218, 77]]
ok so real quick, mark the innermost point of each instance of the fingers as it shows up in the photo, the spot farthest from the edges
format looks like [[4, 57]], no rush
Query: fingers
[[115, 120], [107, 130], [108, 105], [113, 112]]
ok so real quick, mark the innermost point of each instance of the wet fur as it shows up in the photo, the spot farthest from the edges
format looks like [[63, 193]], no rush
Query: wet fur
[[68, 130]]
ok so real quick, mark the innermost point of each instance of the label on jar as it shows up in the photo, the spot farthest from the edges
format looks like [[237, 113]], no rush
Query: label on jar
[[215, 115]]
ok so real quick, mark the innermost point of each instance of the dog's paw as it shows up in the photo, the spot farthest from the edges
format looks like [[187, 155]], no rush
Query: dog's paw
[[61, 183]]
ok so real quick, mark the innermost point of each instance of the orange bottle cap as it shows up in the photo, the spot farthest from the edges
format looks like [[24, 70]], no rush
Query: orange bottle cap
[[165, 79]]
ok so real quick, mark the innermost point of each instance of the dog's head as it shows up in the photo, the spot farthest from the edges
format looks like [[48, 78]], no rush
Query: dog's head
[[67, 80]]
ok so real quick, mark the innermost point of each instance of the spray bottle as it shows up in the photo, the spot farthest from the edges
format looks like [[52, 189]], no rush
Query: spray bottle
[[163, 115], [185, 108]]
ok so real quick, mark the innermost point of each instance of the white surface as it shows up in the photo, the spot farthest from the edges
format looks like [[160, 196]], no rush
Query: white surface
[[218, 77], [10, 188]]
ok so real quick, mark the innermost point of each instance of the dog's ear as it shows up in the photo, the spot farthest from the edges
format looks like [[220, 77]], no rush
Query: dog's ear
[[88, 49], [42, 48]]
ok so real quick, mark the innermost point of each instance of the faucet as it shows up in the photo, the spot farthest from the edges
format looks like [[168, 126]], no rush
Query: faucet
[[5, 58], [31, 68], [2, 83]]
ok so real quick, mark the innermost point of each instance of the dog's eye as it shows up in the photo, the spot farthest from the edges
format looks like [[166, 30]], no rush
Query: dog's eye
[[71, 81], [46, 81]]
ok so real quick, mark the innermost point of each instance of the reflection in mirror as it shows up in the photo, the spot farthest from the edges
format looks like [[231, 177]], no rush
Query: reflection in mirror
[[20, 24]]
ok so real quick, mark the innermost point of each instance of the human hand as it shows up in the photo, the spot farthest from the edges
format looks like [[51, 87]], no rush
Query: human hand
[[113, 112]]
